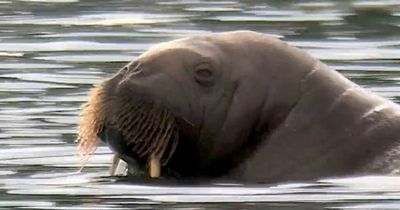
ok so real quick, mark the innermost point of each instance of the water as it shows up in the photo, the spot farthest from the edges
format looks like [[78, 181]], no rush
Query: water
[[53, 51]]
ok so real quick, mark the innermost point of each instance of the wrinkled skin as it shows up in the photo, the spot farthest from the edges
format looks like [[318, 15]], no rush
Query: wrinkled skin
[[252, 108]]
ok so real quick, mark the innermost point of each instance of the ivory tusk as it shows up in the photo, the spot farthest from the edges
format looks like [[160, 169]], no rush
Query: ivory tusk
[[154, 166], [118, 167]]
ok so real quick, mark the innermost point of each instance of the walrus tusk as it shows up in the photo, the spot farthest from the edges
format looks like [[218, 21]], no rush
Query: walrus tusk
[[154, 166], [118, 167]]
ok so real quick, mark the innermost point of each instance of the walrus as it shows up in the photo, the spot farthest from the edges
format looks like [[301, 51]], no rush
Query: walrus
[[240, 106]]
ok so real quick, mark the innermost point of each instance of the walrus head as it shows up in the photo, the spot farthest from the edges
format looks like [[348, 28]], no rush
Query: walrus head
[[198, 103]]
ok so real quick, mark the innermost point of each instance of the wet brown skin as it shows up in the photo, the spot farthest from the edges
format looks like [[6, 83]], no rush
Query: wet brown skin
[[249, 107]]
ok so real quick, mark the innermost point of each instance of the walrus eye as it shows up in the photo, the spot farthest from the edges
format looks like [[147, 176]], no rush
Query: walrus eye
[[204, 76]]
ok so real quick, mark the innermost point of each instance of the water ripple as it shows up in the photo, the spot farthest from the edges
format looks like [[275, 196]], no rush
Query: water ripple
[[105, 19], [87, 58], [55, 78], [65, 46]]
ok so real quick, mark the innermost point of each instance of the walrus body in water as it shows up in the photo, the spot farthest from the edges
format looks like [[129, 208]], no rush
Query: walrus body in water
[[241, 106]]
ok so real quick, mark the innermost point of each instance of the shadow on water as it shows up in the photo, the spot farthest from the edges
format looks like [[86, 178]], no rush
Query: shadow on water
[[53, 51]]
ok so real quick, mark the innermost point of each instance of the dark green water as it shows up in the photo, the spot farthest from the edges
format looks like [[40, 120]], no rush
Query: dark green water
[[52, 52]]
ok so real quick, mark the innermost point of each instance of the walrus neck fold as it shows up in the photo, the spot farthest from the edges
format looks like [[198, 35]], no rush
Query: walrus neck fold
[[339, 122], [281, 98]]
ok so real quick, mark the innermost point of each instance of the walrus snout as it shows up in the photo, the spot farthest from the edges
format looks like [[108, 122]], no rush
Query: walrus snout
[[129, 85], [114, 139], [116, 142], [136, 165], [135, 129]]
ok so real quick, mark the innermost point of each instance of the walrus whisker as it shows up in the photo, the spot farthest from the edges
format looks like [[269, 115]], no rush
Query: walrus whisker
[[138, 130], [123, 120], [187, 121], [152, 146], [162, 144], [125, 125], [143, 129], [163, 140], [161, 125], [158, 138], [123, 116], [91, 122], [150, 132], [158, 128], [172, 148], [167, 133], [140, 146], [142, 115]]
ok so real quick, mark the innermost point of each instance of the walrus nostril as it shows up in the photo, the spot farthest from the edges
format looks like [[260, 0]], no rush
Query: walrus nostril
[[134, 68]]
